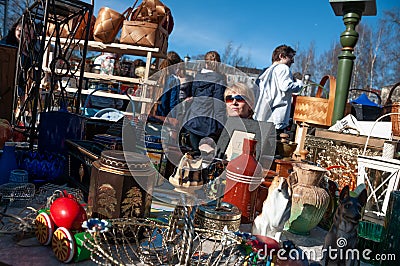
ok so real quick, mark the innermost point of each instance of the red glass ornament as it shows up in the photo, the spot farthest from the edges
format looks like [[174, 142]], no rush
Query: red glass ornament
[[67, 212]]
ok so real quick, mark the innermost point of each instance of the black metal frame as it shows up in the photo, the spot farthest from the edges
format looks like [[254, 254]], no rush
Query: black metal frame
[[44, 24]]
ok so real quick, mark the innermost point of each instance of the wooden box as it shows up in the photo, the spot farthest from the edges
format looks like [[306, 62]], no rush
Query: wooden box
[[121, 187]]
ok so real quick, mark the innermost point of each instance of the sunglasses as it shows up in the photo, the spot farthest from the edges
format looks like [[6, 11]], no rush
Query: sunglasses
[[238, 98]]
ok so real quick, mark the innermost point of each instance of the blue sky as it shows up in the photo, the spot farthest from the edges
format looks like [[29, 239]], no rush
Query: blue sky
[[258, 26]]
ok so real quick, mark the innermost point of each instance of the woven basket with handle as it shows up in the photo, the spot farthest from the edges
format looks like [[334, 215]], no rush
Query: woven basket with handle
[[108, 24], [144, 33], [154, 11], [316, 110], [393, 107], [149, 25]]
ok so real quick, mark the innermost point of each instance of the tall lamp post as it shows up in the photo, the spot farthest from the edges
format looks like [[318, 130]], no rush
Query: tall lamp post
[[351, 10]]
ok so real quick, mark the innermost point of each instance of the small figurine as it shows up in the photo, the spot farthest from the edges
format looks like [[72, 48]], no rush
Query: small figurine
[[188, 172], [275, 211]]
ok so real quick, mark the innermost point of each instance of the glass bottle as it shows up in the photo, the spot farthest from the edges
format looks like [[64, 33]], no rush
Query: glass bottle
[[8, 162]]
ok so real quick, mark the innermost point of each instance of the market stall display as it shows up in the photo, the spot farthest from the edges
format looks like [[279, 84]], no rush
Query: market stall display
[[36, 20], [133, 214]]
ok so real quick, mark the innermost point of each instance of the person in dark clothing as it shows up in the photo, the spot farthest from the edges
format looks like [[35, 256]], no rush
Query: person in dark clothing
[[170, 80], [207, 113], [185, 91], [14, 35]]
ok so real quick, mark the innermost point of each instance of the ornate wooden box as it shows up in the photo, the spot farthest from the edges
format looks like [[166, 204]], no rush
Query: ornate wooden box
[[121, 187]]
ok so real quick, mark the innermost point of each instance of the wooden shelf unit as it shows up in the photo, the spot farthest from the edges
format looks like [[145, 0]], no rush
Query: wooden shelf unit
[[147, 52]]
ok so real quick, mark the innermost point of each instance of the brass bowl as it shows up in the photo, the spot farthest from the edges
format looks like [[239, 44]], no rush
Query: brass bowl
[[286, 149], [210, 217]]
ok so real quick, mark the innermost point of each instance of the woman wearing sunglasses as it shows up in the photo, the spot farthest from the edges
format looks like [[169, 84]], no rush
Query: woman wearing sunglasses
[[239, 101]]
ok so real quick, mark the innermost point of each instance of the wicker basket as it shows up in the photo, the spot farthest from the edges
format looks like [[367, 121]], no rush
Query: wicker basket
[[154, 11], [108, 24], [81, 26], [148, 25], [316, 110], [144, 33], [393, 107]]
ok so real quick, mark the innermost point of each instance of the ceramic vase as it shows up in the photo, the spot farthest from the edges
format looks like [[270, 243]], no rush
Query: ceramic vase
[[309, 199], [243, 176]]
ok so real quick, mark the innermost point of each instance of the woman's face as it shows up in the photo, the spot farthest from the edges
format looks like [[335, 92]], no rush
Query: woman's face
[[236, 105], [18, 30]]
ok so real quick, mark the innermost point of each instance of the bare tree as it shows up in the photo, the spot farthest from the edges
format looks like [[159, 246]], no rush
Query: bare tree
[[388, 61], [361, 63], [309, 64], [373, 55], [305, 60], [233, 56], [377, 52]]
